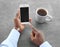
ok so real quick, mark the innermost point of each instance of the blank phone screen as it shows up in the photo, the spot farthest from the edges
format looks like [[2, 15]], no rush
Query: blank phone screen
[[24, 12]]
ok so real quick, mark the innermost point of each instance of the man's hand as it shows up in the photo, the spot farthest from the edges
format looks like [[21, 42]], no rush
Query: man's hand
[[17, 22], [37, 37]]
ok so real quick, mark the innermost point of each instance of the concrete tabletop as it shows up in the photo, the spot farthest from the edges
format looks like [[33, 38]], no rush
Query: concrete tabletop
[[51, 30]]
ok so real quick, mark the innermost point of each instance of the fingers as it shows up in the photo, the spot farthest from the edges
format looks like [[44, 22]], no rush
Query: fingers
[[34, 29], [32, 37], [30, 20], [33, 33], [17, 22], [18, 14]]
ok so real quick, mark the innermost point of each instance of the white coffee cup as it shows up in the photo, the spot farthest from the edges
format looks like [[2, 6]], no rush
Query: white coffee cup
[[42, 15]]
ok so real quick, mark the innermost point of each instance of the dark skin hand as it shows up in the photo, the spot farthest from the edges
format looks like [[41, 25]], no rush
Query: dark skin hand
[[37, 37]]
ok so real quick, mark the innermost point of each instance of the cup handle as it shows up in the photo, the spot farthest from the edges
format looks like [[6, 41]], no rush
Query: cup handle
[[48, 18]]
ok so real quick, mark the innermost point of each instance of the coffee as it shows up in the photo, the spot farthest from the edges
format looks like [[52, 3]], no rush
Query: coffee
[[42, 15], [42, 12]]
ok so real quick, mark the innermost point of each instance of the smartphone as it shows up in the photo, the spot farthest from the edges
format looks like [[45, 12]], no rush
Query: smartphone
[[24, 13]]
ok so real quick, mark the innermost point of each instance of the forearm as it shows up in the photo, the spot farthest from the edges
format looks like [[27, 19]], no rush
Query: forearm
[[45, 44], [12, 39]]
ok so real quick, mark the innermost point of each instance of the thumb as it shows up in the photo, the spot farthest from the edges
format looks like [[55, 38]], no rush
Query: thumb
[[30, 20], [33, 33], [32, 27]]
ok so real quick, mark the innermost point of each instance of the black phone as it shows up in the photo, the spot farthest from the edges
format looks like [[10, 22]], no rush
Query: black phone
[[24, 13]]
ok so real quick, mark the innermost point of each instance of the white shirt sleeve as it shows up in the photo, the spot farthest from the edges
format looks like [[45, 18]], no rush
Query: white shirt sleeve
[[45, 44], [12, 39]]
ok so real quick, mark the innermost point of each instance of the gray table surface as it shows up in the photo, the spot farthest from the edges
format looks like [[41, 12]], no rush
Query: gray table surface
[[51, 30]]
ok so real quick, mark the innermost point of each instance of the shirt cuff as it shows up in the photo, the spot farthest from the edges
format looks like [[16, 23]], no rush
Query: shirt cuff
[[14, 35], [45, 44]]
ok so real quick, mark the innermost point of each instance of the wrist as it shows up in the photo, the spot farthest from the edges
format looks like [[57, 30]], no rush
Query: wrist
[[41, 42], [18, 29]]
